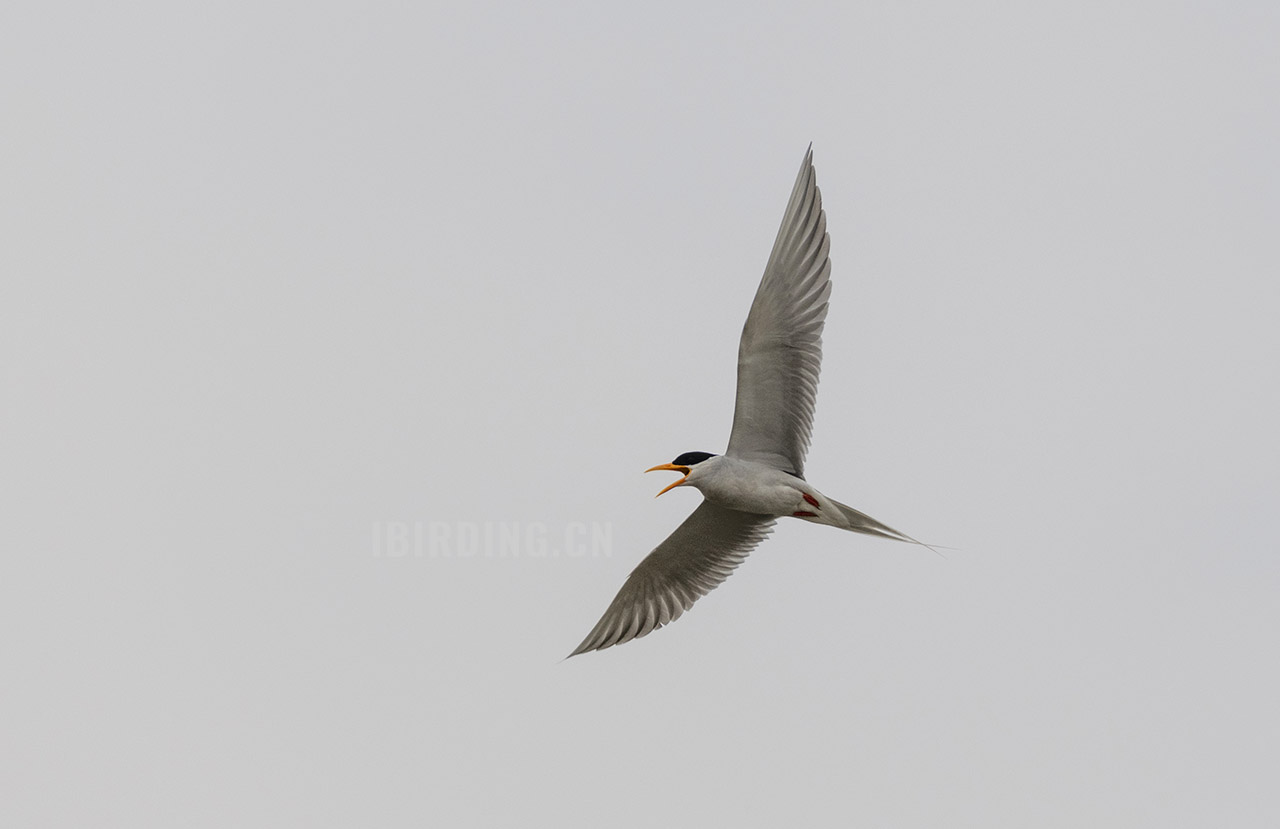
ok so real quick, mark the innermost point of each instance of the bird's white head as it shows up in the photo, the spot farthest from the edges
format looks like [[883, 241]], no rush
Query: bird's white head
[[690, 465]]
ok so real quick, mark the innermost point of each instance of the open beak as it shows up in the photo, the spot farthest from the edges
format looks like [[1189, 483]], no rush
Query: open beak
[[683, 470]]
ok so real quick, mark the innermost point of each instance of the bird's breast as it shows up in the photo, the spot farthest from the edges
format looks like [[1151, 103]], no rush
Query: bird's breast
[[754, 488]]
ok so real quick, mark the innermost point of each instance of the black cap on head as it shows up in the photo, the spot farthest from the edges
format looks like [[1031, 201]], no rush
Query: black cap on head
[[690, 458]]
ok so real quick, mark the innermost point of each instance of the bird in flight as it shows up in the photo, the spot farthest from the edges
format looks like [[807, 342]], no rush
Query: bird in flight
[[760, 476]]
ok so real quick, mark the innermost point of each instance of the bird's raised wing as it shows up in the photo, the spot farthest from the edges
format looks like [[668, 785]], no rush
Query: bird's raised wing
[[693, 561], [780, 353]]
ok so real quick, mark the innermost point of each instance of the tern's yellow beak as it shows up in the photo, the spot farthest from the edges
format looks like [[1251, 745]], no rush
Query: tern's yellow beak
[[683, 470]]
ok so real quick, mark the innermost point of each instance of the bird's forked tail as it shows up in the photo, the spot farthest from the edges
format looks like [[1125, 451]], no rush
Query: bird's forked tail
[[860, 522]]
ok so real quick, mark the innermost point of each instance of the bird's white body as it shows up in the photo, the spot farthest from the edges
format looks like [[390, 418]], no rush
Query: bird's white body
[[759, 489], [751, 486]]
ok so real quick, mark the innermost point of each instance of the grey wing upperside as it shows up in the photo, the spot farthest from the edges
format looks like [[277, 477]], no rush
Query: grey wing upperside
[[780, 353], [693, 561]]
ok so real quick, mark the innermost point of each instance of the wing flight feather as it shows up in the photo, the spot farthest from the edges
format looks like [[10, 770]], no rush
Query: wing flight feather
[[693, 561], [780, 353]]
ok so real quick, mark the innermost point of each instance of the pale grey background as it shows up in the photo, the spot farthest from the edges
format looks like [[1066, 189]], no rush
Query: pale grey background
[[273, 274]]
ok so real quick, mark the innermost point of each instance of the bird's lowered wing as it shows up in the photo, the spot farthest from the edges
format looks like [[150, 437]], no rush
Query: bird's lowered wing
[[693, 561], [780, 353]]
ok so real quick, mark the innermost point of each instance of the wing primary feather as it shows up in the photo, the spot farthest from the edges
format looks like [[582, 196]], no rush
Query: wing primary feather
[[780, 353], [695, 559]]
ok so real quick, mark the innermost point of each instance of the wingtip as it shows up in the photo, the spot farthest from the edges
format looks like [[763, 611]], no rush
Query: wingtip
[[591, 643]]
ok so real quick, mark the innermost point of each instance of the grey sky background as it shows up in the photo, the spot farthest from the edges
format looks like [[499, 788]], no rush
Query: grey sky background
[[279, 278]]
